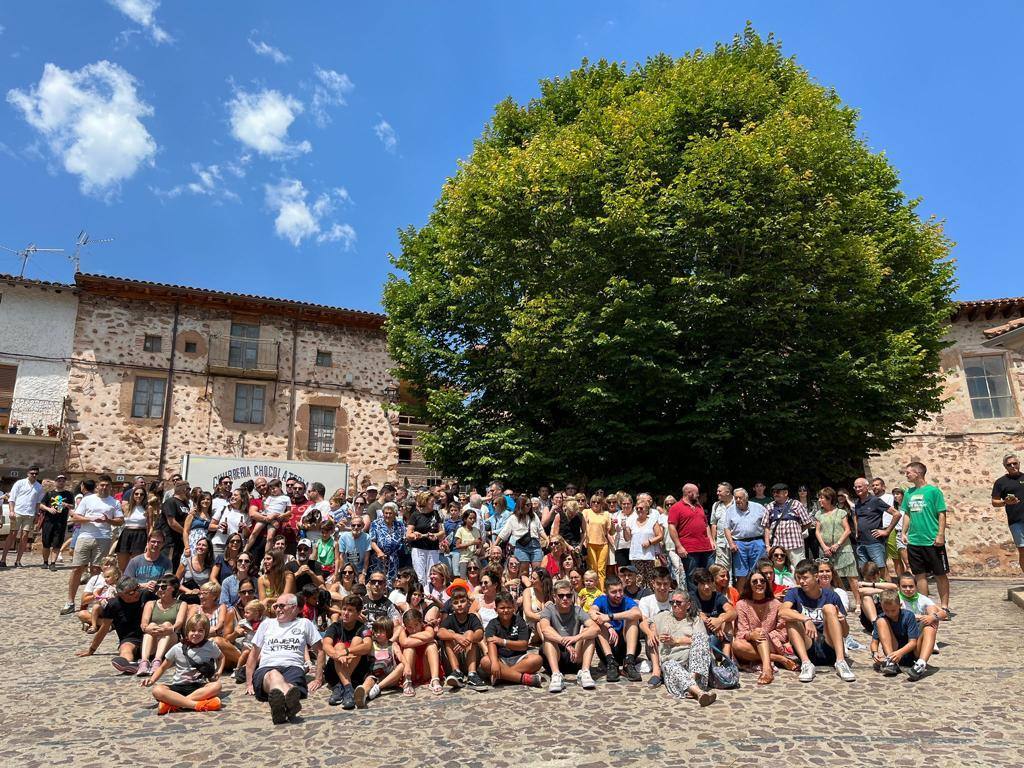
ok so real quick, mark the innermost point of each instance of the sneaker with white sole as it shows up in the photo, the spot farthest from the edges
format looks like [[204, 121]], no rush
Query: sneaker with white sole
[[807, 671], [917, 671], [585, 680], [557, 684], [844, 672], [645, 667]]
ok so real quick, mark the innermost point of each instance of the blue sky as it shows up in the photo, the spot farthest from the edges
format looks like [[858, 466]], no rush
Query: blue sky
[[277, 148]]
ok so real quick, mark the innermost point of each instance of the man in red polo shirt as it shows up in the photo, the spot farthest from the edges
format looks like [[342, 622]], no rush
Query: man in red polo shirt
[[691, 534]]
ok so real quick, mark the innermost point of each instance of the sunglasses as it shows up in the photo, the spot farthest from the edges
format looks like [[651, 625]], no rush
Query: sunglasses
[[778, 556], [376, 581], [567, 596], [280, 607], [472, 570], [247, 591], [677, 602], [164, 585], [755, 582]]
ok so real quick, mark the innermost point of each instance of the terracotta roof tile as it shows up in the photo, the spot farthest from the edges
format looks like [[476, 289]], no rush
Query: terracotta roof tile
[[999, 330]]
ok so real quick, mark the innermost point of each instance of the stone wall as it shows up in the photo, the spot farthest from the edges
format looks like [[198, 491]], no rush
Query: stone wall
[[110, 358], [964, 457]]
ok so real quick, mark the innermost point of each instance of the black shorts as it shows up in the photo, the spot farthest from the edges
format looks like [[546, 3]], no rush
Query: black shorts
[[928, 560], [621, 557], [565, 665], [54, 529], [185, 689], [132, 541], [820, 653], [864, 622], [294, 676]]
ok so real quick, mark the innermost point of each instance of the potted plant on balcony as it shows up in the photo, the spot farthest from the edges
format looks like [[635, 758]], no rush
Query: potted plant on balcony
[[52, 430], [24, 429], [37, 428], [12, 428]]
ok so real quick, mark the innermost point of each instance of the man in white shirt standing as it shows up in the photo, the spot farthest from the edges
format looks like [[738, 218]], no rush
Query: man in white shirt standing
[[22, 507], [96, 513], [275, 671]]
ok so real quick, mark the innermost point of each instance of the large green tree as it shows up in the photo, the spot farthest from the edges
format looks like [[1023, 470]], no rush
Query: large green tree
[[693, 268]]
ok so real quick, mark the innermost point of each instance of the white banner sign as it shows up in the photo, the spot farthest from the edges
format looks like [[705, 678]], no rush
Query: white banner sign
[[205, 471]]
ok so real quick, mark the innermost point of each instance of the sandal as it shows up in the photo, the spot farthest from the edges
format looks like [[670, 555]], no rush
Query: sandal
[[765, 678], [90, 631], [407, 687], [786, 663], [435, 687]]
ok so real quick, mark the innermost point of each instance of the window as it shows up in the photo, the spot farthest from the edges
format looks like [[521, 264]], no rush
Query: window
[[152, 343], [405, 443], [988, 387], [148, 399], [321, 429], [191, 347], [323, 359], [249, 403], [244, 347]]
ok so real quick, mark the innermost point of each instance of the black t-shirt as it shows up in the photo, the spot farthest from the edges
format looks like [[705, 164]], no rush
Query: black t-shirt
[[571, 529], [471, 625], [56, 499], [174, 510], [339, 634], [713, 606], [640, 593], [869, 517], [1003, 487], [427, 522], [305, 578], [519, 630], [126, 619]]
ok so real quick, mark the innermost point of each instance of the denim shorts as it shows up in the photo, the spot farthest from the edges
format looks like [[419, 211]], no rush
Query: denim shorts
[[1017, 531], [870, 550], [528, 550]]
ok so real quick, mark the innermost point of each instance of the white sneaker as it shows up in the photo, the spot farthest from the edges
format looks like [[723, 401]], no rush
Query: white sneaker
[[807, 672], [374, 692], [645, 667], [557, 684], [844, 671], [584, 679], [60, 559]]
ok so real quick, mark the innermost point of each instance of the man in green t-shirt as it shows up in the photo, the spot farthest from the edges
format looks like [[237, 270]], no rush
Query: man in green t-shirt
[[924, 532]]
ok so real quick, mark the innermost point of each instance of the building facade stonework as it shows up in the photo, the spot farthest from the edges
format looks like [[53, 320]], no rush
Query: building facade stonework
[[963, 446], [161, 370]]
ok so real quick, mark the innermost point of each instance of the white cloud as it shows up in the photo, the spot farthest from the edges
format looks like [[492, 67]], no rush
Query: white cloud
[[265, 49], [329, 91], [387, 135], [343, 233], [261, 121], [296, 220], [209, 182], [92, 122], [143, 13]]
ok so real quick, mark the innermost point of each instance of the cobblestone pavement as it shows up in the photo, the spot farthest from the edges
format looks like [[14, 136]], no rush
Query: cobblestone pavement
[[59, 709]]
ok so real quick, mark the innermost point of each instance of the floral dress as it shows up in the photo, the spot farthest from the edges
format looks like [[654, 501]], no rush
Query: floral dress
[[391, 541], [843, 561]]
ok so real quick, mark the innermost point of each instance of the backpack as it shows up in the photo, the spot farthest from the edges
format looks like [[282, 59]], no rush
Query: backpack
[[725, 673]]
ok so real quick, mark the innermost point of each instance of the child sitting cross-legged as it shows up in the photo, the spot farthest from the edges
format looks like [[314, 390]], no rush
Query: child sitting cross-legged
[[195, 684], [897, 639], [507, 639], [387, 669], [461, 633]]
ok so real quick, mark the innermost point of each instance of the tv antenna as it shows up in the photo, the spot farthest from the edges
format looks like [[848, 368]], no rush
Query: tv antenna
[[81, 242], [27, 251]]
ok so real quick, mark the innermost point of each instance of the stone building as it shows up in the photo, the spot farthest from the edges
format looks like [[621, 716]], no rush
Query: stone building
[[161, 370], [37, 325], [963, 446]]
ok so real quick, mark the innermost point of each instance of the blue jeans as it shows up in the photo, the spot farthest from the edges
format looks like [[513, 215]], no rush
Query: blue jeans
[[528, 550], [746, 556], [692, 562], [870, 550]]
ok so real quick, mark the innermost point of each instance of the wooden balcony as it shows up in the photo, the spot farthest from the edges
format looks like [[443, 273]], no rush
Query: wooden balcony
[[244, 357]]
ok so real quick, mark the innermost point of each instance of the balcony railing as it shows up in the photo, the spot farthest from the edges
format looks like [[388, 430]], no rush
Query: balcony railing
[[30, 416], [238, 356]]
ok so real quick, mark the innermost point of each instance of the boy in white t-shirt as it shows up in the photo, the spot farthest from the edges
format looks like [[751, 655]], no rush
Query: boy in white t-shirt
[[928, 615], [275, 508], [650, 606]]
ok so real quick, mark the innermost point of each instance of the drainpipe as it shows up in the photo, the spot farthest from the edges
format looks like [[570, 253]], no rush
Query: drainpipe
[[291, 399], [167, 394]]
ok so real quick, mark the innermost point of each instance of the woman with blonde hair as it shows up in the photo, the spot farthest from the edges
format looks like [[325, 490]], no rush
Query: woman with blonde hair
[[597, 537]]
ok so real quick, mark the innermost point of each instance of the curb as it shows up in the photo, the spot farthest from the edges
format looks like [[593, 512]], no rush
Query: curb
[[1016, 595]]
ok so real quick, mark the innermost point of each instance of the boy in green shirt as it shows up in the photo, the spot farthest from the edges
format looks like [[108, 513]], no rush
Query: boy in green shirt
[[924, 532]]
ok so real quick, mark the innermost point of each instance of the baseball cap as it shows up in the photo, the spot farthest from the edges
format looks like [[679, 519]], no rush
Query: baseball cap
[[304, 543], [780, 487], [371, 488], [61, 477], [456, 583], [630, 568]]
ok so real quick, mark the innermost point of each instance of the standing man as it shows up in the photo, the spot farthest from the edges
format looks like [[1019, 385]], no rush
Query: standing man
[[925, 532], [719, 510], [784, 522], [1008, 493], [22, 507], [56, 506], [373, 504], [690, 533], [169, 485], [745, 534], [172, 522], [96, 513], [872, 532]]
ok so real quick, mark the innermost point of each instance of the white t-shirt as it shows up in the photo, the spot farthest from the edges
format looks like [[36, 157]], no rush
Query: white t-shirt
[[232, 518], [136, 519], [96, 584], [620, 540], [218, 505], [276, 505], [26, 496], [642, 545], [650, 607], [101, 512], [282, 645], [919, 606]]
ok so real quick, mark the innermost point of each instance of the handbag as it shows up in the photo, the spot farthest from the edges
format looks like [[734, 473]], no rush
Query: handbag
[[725, 674]]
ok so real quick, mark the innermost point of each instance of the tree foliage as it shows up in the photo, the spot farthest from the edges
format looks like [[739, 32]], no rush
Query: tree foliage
[[694, 268]]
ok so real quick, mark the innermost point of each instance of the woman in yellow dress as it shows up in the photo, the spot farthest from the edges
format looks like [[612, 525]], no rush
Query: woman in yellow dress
[[598, 536]]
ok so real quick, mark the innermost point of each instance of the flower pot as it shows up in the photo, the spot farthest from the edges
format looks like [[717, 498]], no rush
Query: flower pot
[[52, 431], [38, 431], [25, 430], [12, 430]]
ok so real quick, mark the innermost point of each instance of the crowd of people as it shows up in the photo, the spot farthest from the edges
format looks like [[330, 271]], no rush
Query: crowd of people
[[286, 589]]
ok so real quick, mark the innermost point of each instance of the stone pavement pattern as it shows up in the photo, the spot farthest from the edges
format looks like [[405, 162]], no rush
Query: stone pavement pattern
[[59, 709]]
